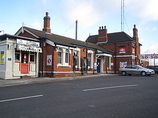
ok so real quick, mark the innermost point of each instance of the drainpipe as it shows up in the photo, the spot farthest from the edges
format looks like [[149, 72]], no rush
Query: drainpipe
[[41, 59], [115, 58], [42, 55], [43, 45], [86, 58]]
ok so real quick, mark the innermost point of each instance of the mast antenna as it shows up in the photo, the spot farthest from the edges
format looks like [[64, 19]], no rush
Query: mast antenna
[[122, 15]]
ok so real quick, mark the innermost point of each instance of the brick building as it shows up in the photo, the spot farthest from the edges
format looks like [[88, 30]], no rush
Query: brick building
[[62, 56], [126, 48]]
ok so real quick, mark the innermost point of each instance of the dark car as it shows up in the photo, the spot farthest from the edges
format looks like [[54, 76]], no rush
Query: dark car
[[155, 68]]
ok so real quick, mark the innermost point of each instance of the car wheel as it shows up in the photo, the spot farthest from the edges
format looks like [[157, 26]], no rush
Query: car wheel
[[123, 73], [143, 73]]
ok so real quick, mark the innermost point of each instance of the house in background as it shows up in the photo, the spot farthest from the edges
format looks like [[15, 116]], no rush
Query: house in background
[[62, 56], [126, 48]]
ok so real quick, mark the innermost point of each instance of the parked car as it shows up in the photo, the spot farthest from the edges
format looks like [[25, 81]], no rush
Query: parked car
[[136, 69], [155, 68]]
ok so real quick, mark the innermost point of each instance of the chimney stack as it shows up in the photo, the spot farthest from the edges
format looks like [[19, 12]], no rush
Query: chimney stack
[[102, 34], [136, 38], [135, 32], [46, 27]]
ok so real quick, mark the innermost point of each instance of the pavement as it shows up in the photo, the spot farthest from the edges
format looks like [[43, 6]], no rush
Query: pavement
[[14, 82]]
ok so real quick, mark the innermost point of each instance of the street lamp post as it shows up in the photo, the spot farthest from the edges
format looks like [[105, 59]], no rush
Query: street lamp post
[[154, 59]]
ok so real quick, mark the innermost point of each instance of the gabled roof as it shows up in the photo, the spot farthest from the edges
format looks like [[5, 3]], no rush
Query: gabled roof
[[65, 41], [4, 36], [117, 37]]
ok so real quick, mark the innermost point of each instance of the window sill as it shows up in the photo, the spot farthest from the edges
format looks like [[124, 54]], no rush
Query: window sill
[[61, 65]]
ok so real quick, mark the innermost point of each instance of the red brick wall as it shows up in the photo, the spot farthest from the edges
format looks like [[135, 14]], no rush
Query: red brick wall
[[128, 51], [26, 34], [59, 71]]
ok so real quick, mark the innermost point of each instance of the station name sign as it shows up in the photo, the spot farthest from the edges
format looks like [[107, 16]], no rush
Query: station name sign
[[148, 56], [26, 45]]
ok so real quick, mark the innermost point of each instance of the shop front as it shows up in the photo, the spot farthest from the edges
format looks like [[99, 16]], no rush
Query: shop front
[[21, 57]]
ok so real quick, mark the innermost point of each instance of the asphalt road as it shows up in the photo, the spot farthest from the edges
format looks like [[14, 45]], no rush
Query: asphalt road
[[102, 97]]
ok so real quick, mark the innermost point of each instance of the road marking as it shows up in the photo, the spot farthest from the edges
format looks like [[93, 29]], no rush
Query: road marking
[[21, 98], [110, 87]]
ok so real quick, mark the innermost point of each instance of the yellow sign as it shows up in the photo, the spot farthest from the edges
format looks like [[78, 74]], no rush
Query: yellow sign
[[2, 59]]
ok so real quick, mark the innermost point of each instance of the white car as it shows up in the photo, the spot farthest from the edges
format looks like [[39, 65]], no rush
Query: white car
[[136, 69]]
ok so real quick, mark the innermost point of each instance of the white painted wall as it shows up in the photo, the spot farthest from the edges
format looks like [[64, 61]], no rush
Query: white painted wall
[[11, 69], [3, 46], [10, 56]]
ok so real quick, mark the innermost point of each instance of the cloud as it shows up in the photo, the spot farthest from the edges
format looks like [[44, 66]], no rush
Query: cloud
[[153, 48], [44, 1], [150, 10], [88, 12], [36, 24], [85, 14], [144, 9], [155, 29]]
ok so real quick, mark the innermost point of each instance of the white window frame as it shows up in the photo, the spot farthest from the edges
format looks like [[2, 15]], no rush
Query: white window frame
[[60, 51], [63, 51], [92, 58], [32, 54], [18, 53]]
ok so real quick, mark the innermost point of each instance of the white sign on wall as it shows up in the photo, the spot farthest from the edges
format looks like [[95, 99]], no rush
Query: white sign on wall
[[49, 60], [148, 56], [26, 45], [122, 50]]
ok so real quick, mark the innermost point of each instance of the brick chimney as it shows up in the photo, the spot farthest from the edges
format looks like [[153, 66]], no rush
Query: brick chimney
[[46, 27], [137, 44], [135, 32], [102, 34]]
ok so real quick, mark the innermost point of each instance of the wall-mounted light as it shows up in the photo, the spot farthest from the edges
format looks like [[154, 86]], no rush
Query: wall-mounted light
[[9, 46]]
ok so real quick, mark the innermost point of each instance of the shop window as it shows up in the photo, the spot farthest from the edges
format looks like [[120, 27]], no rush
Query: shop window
[[123, 64], [32, 57], [17, 56]]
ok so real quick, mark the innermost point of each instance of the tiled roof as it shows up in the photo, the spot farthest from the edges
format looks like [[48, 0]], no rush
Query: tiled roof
[[62, 40], [117, 37]]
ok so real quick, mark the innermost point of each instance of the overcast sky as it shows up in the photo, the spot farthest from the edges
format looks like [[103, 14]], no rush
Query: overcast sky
[[91, 14]]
